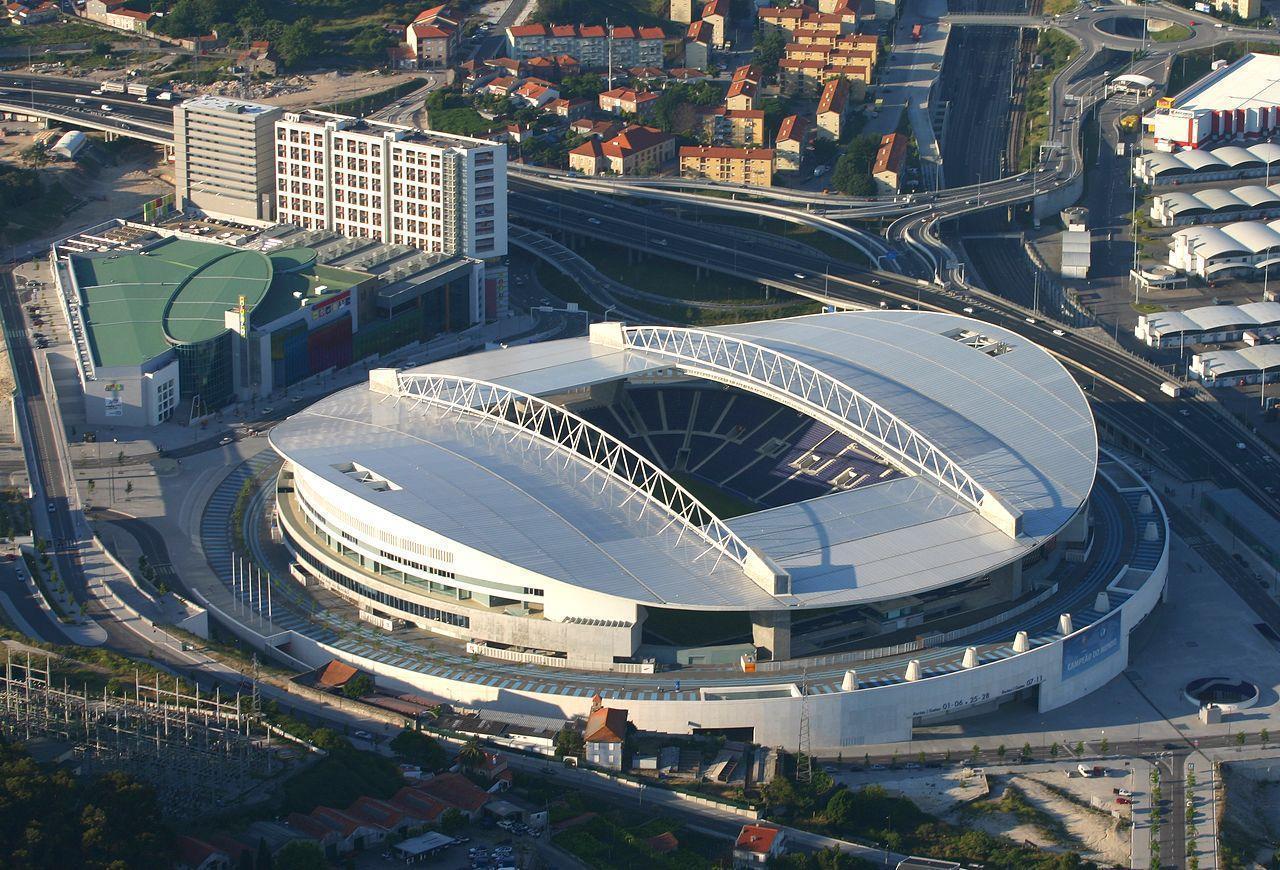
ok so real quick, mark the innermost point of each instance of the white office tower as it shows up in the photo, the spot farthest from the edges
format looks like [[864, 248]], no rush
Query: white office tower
[[438, 192], [222, 154]]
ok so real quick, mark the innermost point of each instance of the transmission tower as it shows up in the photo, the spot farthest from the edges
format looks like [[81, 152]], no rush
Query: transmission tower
[[804, 763]]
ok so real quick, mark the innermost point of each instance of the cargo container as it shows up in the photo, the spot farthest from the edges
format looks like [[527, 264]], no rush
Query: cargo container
[[138, 90], [1170, 389], [113, 87]]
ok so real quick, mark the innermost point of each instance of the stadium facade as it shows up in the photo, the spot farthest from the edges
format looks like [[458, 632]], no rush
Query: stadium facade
[[862, 480]]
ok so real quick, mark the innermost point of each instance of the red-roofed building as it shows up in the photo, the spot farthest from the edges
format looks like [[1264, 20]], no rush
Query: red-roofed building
[[685, 74], [891, 160], [535, 92], [113, 14], [456, 791], [606, 732], [318, 832], [757, 845], [594, 128], [356, 835], [743, 89], [335, 675], [716, 13], [663, 844], [795, 133], [697, 45], [22, 15], [506, 66], [589, 43], [734, 126], [833, 108], [414, 802], [391, 819], [258, 58], [433, 38], [635, 150], [647, 75], [627, 101], [732, 165], [502, 86], [569, 108], [196, 854]]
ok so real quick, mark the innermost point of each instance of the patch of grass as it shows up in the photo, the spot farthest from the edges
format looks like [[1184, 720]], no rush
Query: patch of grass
[[811, 236], [1058, 7], [1173, 33], [59, 33], [667, 278], [339, 779], [463, 120], [1191, 65], [723, 504], [1058, 49], [601, 842], [1146, 307], [563, 287], [22, 224]]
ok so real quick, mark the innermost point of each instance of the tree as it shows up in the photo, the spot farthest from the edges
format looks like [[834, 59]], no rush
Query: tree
[[420, 749], [1054, 749], [1000, 751], [452, 821], [371, 43], [299, 42], [1104, 744], [852, 174], [1264, 736], [91, 486], [301, 855], [128, 487], [769, 50], [359, 686], [974, 753], [569, 742], [1079, 747], [471, 755], [1026, 752], [1240, 738]]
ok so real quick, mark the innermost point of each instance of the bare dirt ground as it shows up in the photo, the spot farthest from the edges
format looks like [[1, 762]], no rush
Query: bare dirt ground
[[939, 795], [1068, 825], [1253, 802], [317, 89]]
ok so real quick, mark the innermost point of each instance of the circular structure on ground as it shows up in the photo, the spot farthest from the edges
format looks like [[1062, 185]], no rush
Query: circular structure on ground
[[1158, 29], [1228, 694]]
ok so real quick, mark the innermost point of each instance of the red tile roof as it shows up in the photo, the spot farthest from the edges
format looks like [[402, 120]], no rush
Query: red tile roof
[[716, 7], [652, 33], [835, 95], [609, 724], [336, 674], [193, 852], [456, 790], [663, 843], [429, 13], [564, 30], [726, 152], [372, 811], [893, 151], [416, 803], [527, 30], [793, 128], [632, 139], [337, 820], [592, 31], [310, 827], [699, 31], [590, 148], [756, 838], [624, 32]]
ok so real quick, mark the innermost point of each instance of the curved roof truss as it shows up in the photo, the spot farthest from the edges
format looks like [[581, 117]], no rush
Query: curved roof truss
[[784, 378], [577, 439]]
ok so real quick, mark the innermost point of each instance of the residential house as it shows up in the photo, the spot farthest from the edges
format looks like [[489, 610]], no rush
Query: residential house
[[433, 38], [697, 45], [744, 88], [595, 128], [535, 92], [734, 165], [647, 75], [757, 845], [635, 150], [606, 731], [795, 134], [323, 835], [723, 126], [506, 66], [833, 108], [568, 108], [43, 13], [716, 13], [502, 86], [891, 160], [686, 74], [627, 101], [113, 13], [589, 43], [258, 59]]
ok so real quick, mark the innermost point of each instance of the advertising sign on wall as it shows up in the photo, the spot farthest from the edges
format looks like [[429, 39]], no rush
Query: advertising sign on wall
[[1094, 645]]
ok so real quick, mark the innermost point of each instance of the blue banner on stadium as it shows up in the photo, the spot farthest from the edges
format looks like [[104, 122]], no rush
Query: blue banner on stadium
[[1095, 644]]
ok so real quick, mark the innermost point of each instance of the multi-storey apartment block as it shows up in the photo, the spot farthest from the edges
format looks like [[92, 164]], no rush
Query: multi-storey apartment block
[[435, 191], [222, 157]]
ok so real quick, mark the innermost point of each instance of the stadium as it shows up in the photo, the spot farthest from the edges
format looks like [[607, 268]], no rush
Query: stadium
[[841, 507]]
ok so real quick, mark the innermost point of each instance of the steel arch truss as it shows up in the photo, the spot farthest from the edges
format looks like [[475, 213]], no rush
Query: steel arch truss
[[575, 438], [754, 366]]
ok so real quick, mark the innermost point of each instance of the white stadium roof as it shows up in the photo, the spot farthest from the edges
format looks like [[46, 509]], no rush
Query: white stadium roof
[[1013, 423], [1243, 237], [1217, 160], [1245, 361]]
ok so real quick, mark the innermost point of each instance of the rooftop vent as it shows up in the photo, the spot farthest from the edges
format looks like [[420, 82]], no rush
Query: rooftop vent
[[360, 474]]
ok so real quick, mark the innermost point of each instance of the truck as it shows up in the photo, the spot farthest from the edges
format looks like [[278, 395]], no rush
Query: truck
[[917, 32], [165, 96], [113, 87], [1120, 149], [137, 90], [1091, 770], [1172, 390]]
